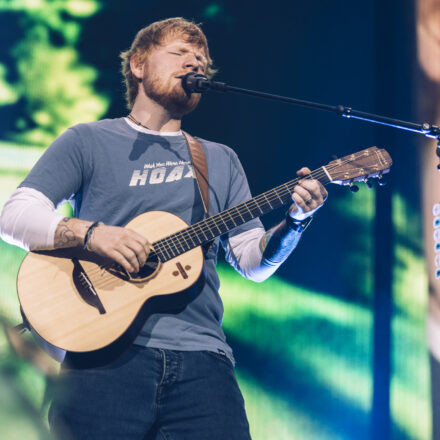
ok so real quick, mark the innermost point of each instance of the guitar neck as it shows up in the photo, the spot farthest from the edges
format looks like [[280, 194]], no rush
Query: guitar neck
[[206, 230]]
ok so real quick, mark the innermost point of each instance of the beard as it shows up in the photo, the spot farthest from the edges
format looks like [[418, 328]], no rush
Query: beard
[[170, 96]]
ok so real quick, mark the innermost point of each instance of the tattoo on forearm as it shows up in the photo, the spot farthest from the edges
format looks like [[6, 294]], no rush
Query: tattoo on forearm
[[265, 240], [64, 236]]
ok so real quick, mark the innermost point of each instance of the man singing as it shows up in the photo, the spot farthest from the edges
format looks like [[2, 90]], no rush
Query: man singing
[[176, 381]]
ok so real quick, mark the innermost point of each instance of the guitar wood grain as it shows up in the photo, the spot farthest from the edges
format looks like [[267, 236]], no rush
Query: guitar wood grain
[[58, 313]]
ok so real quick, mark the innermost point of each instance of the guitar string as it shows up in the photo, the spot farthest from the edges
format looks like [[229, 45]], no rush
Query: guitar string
[[234, 213], [207, 225], [112, 279], [164, 245], [159, 247]]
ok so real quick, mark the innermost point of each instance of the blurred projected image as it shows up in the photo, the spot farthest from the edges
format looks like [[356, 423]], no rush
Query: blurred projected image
[[44, 89], [428, 33]]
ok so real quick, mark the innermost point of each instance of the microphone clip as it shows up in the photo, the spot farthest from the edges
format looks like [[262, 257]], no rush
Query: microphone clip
[[198, 83], [195, 83]]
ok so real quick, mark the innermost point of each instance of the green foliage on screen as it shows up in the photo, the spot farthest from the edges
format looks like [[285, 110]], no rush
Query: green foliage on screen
[[8, 94], [56, 87], [356, 266]]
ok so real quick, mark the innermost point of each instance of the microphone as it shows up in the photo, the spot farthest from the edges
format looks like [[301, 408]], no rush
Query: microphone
[[198, 83]]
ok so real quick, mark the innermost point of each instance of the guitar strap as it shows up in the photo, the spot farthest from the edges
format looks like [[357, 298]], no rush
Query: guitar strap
[[200, 167]]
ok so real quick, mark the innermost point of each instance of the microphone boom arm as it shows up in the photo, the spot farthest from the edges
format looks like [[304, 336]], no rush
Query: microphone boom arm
[[197, 83]]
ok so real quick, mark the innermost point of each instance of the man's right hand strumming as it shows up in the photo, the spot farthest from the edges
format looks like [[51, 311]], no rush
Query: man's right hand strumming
[[124, 246]]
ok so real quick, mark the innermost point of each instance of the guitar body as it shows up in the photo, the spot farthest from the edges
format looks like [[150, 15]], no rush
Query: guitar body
[[74, 302]]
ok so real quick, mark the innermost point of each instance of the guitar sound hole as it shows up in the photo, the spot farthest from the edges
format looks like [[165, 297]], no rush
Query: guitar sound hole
[[148, 270]]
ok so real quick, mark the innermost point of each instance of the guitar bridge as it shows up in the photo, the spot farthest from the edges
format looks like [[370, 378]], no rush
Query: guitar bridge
[[85, 287]]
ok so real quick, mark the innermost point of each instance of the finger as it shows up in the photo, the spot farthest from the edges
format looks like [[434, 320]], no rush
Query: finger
[[139, 251], [134, 235], [303, 171], [300, 202], [146, 249], [305, 195], [315, 189], [130, 257], [140, 239], [121, 260]]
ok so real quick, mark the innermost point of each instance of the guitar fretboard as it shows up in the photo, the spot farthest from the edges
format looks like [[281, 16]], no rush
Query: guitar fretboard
[[206, 230]]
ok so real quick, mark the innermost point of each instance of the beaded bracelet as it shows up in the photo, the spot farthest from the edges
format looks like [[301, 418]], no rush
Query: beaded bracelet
[[89, 234]]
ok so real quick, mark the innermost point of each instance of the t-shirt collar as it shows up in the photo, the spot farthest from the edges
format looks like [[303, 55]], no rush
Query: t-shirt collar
[[148, 131]]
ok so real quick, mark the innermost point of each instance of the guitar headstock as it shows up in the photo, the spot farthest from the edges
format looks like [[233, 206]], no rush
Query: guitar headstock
[[368, 163]]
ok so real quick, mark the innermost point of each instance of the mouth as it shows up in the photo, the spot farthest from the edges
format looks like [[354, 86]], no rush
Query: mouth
[[184, 74]]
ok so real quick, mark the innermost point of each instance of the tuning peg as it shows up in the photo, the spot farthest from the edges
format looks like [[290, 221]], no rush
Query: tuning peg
[[381, 181], [368, 182], [353, 188]]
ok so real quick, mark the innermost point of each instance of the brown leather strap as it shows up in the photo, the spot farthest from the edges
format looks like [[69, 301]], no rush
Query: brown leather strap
[[200, 168]]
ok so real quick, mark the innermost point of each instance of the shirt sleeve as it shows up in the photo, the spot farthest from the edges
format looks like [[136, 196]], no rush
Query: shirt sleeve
[[242, 244], [60, 171], [29, 220], [239, 192]]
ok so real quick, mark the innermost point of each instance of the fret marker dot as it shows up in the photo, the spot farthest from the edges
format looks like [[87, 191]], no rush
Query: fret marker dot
[[188, 267], [175, 273]]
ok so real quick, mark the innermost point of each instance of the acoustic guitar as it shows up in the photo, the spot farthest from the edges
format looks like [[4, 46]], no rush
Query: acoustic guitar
[[80, 302]]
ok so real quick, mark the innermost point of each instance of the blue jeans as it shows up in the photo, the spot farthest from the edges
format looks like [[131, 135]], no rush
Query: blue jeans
[[150, 393]]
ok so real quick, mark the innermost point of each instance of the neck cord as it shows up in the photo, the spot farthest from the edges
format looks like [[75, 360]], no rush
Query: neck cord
[[133, 119]]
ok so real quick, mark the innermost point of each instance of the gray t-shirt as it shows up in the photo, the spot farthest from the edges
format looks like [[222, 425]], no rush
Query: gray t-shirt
[[111, 172]]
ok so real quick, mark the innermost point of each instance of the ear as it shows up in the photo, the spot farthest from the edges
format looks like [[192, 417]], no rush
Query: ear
[[137, 67]]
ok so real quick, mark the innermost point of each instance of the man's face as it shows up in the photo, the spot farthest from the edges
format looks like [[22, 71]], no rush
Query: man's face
[[164, 68]]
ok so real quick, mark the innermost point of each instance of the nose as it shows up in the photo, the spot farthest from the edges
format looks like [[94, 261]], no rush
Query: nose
[[191, 62]]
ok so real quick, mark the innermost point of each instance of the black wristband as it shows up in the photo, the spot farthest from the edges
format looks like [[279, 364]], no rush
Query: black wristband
[[89, 234], [297, 225]]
